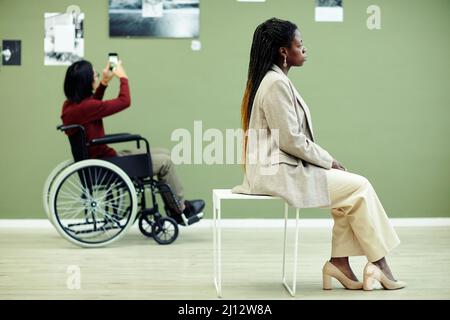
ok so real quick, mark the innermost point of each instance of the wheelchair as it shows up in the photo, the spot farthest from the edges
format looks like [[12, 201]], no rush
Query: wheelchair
[[93, 202]]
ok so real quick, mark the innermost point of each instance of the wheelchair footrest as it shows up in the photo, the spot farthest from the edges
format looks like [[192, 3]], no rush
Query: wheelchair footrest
[[191, 220]]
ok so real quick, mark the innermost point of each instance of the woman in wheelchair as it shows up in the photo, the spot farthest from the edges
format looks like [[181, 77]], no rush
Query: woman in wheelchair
[[85, 109]]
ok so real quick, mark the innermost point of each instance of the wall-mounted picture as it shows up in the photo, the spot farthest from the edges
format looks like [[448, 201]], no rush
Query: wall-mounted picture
[[11, 52], [64, 38], [154, 18], [329, 11]]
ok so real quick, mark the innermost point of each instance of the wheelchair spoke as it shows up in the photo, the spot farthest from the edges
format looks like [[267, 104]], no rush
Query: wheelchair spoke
[[109, 217], [166, 231], [113, 201], [121, 208], [69, 201], [105, 230], [70, 194], [85, 183], [120, 213], [103, 177], [90, 177], [73, 213], [65, 208], [80, 189], [111, 187]]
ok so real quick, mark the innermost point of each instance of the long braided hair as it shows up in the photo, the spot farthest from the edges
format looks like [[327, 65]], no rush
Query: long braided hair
[[269, 36]]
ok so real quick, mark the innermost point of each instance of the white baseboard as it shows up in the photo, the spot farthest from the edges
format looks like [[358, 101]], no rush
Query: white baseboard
[[246, 223]]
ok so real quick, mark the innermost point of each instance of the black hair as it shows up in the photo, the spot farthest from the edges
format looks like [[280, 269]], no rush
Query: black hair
[[78, 81], [268, 38]]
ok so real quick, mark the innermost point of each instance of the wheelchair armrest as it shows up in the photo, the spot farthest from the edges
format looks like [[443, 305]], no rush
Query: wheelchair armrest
[[116, 134], [115, 138], [69, 126], [125, 137]]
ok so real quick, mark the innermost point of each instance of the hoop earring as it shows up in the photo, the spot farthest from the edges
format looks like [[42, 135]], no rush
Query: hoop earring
[[285, 64]]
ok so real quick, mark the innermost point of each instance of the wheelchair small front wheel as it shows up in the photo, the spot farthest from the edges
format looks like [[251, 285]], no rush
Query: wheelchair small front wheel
[[146, 222], [165, 230]]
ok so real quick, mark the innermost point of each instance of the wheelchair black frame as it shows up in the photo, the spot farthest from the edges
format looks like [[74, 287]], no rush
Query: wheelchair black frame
[[80, 152]]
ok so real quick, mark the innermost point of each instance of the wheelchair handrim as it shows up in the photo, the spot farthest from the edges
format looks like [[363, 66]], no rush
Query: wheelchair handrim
[[66, 230]]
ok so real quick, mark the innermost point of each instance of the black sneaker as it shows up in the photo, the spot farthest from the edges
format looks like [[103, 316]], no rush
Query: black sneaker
[[192, 212], [193, 207]]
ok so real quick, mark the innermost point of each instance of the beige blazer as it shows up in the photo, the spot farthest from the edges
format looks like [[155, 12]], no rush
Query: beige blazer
[[293, 167]]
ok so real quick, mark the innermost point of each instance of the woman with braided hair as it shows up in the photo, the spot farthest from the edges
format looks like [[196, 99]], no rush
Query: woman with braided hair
[[307, 175]]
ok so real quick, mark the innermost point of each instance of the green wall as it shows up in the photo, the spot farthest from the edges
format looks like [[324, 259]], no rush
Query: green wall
[[379, 99]]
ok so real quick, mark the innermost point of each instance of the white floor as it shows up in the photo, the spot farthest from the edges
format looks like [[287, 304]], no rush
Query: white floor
[[36, 263]]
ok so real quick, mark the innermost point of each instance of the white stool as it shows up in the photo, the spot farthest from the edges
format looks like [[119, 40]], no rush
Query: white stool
[[222, 194]]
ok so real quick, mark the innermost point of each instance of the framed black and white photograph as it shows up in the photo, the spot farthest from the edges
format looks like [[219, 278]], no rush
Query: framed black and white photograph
[[329, 11], [11, 52], [154, 18], [64, 38]]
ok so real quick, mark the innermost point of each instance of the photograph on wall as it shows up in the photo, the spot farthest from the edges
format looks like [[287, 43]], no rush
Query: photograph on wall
[[64, 38], [11, 52], [329, 11], [154, 18]]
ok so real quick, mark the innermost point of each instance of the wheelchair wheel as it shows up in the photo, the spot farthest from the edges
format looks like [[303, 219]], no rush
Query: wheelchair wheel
[[145, 224], [93, 203], [48, 184], [165, 230]]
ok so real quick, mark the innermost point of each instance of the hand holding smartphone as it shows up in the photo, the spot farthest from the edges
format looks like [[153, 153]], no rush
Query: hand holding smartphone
[[113, 59], [115, 66]]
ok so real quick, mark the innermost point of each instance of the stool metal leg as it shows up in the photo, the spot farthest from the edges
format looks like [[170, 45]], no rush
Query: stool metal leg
[[294, 281], [217, 247], [214, 243]]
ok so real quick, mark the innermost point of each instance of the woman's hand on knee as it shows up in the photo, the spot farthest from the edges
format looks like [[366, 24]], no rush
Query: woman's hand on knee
[[337, 165]]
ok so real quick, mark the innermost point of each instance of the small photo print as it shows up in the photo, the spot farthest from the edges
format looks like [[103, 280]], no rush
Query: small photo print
[[64, 38], [329, 11], [154, 18], [11, 52]]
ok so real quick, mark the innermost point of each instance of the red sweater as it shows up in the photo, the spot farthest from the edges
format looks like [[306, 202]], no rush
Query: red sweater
[[90, 112]]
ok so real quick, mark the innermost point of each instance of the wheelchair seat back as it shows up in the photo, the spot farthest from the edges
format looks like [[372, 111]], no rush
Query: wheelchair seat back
[[137, 166], [78, 146]]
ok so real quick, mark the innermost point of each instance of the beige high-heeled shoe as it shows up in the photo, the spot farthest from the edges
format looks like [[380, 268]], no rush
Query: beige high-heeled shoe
[[372, 273], [330, 270]]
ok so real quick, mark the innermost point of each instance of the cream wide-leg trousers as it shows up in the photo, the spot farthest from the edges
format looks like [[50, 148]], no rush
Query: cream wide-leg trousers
[[361, 226]]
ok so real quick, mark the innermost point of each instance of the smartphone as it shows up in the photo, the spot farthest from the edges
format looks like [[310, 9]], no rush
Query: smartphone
[[113, 59]]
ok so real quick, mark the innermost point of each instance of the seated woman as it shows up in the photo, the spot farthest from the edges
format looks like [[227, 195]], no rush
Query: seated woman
[[307, 175], [86, 107]]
